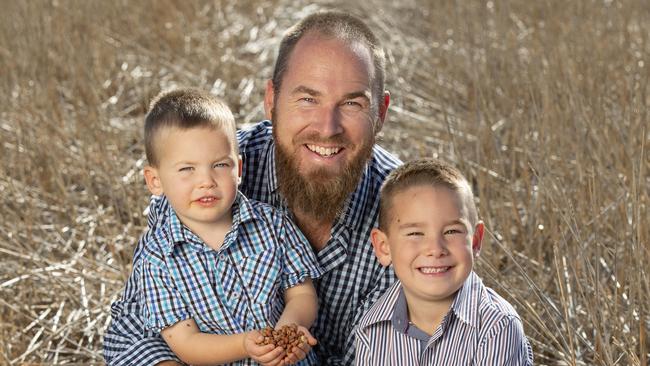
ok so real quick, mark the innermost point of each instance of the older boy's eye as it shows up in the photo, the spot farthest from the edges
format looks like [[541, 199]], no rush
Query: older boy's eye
[[453, 231], [415, 233], [186, 169]]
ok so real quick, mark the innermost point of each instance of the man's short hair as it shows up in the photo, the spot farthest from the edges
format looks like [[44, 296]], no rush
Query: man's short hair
[[425, 172], [184, 109], [341, 26]]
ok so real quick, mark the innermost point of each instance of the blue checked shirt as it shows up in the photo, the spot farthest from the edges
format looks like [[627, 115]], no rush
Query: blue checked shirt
[[481, 328], [352, 281], [232, 290]]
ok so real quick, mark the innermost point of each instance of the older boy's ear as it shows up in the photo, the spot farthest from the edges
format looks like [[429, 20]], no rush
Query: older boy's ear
[[153, 180], [477, 239], [269, 96], [380, 245]]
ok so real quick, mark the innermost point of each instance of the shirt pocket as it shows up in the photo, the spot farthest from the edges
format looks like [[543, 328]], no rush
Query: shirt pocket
[[261, 273]]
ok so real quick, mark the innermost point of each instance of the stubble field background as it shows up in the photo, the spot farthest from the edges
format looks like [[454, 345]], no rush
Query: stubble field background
[[543, 104]]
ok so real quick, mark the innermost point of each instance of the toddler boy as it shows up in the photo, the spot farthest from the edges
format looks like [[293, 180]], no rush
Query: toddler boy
[[438, 312], [217, 267]]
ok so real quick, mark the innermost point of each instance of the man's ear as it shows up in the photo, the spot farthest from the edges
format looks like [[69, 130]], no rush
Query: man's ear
[[477, 238], [269, 98], [379, 241], [153, 180], [383, 110], [239, 171]]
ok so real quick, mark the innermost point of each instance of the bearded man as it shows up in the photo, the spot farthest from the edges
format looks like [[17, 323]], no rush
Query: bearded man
[[316, 159]]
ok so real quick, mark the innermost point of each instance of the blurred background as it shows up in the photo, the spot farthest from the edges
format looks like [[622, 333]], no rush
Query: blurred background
[[543, 104]]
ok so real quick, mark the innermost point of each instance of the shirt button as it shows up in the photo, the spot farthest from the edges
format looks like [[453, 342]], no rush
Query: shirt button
[[235, 295], [222, 257]]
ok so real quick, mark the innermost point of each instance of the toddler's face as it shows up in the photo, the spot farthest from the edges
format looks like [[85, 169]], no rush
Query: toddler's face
[[198, 172], [430, 243]]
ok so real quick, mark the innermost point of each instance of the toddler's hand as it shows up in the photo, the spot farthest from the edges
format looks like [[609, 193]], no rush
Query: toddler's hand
[[267, 355], [299, 352]]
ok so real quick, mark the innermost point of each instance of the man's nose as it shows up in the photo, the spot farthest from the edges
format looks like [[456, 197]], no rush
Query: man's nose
[[328, 121]]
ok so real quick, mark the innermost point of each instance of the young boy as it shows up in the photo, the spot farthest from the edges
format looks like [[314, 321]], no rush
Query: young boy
[[217, 267], [438, 312]]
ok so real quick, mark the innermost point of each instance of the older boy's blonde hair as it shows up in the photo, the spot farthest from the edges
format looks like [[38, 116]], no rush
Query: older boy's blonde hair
[[184, 109], [425, 172]]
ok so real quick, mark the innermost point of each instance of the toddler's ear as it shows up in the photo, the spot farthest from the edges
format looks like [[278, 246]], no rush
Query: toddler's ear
[[240, 167], [153, 180], [380, 245], [477, 238]]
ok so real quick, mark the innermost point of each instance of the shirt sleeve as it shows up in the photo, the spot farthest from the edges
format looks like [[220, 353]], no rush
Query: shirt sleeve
[[163, 304], [127, 341], [300, 261], [362, 351], [505, 345]]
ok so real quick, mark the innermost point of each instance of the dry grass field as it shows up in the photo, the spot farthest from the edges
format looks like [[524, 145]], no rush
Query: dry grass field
[[544, 104]]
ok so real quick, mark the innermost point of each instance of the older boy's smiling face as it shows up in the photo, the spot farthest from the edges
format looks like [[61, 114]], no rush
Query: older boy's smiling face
[[430, 243]]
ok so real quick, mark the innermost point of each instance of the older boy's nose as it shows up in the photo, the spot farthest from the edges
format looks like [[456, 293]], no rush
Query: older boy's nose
[[436, 248]]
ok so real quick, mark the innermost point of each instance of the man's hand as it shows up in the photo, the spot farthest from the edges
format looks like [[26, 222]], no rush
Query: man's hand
[[300, 352], [267, 355]]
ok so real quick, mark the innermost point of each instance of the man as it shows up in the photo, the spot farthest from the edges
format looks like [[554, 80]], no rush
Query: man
[[316, 158]]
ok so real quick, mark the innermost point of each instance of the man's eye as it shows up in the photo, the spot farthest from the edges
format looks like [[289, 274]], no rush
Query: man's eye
[[307, 100]]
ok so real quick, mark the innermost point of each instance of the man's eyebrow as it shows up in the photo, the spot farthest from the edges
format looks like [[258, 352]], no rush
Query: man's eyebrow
[[301, 89], [358, 94]]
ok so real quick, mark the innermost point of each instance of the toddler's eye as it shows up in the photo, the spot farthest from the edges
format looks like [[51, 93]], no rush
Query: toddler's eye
[[221, 165], [452, 231], [186, 169]]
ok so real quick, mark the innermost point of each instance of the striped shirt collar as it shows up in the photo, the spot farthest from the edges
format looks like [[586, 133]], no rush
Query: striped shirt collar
[[242, 211], [464, 306], [357, 201]]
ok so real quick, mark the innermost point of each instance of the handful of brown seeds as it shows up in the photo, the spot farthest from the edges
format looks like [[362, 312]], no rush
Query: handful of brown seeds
[[287, 337]]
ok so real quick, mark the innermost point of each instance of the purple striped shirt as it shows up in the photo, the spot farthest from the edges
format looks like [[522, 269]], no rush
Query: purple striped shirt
[[481, 328]]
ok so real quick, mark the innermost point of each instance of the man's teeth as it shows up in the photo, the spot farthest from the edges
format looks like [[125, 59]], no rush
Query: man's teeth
[[324, 151], [429, 270]]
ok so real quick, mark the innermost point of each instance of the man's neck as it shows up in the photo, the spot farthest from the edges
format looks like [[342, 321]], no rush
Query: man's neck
[[318, 231]]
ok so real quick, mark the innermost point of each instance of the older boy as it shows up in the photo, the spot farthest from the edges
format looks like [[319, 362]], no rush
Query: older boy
[[218, 267], [438, 312]]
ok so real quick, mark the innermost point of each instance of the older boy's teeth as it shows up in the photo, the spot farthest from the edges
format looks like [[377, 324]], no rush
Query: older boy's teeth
[[430, 270], [323, 151], [207, 199]]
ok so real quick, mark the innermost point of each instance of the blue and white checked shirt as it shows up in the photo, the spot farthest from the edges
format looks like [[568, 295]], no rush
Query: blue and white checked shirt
[[481, 328], [232, 290], [352, 281]]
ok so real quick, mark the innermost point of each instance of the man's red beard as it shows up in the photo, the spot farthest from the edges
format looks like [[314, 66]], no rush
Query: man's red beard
[[320, 194]]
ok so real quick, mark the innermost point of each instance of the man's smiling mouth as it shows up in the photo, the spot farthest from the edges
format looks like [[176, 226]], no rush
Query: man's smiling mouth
[[323, 151]]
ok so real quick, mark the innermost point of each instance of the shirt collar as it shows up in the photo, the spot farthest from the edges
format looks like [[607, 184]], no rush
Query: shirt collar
[[464, 306], [384, 308], [242, 211], [466, 302]]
